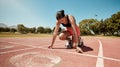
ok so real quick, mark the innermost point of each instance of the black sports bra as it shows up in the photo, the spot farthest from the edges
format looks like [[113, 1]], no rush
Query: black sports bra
[[68, 23]]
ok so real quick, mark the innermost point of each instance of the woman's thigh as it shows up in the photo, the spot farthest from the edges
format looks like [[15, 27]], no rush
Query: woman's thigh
[[64, 35]]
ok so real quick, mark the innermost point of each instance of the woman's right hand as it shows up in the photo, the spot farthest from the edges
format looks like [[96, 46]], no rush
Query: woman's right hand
[[50, 46]]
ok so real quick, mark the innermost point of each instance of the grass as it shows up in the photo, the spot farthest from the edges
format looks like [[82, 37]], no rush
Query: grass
[[8, 34]]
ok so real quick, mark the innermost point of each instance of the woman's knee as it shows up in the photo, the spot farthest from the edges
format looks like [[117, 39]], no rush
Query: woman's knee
[[62, 36]]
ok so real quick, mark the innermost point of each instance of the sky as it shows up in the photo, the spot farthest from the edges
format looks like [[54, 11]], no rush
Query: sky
[[35, 13]]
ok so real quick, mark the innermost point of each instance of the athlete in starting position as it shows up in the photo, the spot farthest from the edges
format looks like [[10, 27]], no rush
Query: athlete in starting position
[[72, 29]]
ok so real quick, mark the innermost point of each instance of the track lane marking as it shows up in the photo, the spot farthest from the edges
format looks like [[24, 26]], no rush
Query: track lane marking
[[100, 61], [16, 50]]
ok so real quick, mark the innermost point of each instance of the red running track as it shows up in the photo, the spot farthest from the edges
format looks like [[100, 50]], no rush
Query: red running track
[[26, 52]]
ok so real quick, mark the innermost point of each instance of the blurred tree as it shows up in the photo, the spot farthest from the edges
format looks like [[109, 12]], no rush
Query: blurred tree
[[60, 29], [22, 29], [13, 30], [47, 30], [112, 24], [103, 27], [40, 29], [115, 20], [89, 26], [1, 29], [32, 30]]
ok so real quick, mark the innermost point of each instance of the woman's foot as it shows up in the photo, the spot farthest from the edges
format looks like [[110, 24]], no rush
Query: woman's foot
[[69, 44], [79, 50], [81, 44]]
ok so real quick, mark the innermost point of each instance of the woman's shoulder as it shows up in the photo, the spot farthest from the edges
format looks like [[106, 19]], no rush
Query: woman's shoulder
[[70, 16]]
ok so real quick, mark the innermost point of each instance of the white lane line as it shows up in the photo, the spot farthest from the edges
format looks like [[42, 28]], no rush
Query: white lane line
[[21, 44], [16, 50], [94, 56], [111, 59], [100, 61], [88, 55]]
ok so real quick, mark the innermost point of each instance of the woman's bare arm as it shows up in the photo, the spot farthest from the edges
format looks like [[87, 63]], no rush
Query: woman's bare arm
[[73, 24], [55, 34]]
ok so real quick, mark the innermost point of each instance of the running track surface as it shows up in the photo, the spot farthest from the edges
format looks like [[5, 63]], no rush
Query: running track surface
[[33, 52]]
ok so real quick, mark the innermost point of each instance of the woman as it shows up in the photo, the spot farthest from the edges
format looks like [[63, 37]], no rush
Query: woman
[[72, 29]]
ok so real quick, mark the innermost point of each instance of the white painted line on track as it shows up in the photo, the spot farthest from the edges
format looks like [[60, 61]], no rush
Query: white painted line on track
[[6, 47], [16, 50], [100, 61], [88, 55], [20, 44]]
